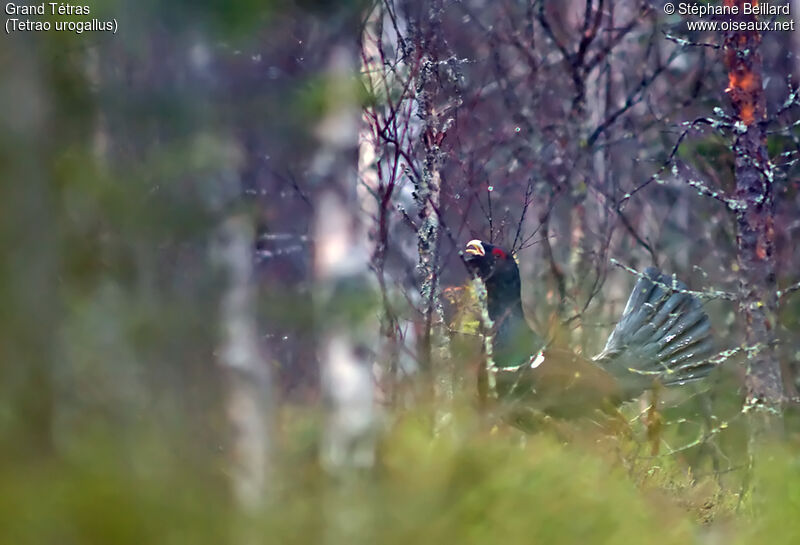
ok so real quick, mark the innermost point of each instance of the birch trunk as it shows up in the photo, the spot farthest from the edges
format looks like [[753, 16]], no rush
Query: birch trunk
[[375, 192], [248, 401], [345, 311], [435, 109]]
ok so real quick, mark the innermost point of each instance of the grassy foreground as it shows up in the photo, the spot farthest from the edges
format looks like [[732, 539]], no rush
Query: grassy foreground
[[472, 484]]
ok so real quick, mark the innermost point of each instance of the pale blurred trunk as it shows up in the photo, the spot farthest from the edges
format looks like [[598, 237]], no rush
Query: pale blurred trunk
[[600, 102], [572, 274], [29, 275], [345, 311], [376, 194], [248, 403]]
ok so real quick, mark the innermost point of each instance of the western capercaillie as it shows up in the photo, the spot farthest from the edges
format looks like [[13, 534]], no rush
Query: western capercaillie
[[662, 338]]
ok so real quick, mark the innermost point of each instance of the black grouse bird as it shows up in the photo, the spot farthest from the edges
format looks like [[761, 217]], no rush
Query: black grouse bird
[[663, 337]]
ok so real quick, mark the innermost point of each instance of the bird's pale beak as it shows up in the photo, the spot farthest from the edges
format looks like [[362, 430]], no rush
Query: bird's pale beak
[[475, 247]]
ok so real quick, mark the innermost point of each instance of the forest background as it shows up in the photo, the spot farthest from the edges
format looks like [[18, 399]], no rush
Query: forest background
[[234, 306]]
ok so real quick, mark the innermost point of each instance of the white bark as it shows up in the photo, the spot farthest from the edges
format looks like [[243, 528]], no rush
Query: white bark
[[346, 371], [346, 319], [248, 396]]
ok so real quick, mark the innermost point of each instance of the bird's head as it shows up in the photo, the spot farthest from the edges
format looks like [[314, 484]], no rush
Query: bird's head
[[492, 264], [500, 274]]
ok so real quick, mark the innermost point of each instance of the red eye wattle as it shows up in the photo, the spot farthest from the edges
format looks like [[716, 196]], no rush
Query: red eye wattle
[[497, 252]]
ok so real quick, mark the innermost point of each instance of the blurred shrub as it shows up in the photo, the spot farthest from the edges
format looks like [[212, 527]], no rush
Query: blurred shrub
[[467, 486], [776, 502], [147, 490], [484, 489]]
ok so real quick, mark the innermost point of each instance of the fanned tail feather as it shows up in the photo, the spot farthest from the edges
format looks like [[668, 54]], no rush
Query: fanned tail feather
[[664, 335]]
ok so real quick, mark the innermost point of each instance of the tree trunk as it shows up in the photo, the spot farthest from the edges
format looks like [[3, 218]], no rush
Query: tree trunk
[[29, 272], [248, 401], [435, 108], [754, 218], [376, 193], [345, 310]]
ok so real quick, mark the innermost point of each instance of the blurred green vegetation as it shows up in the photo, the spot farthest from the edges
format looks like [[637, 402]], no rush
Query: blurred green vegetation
[[777, 500], [477, 483]]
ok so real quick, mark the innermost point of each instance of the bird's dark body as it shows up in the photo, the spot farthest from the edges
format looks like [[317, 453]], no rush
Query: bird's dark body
[[663, 337], [559, 383], [514, 340]]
